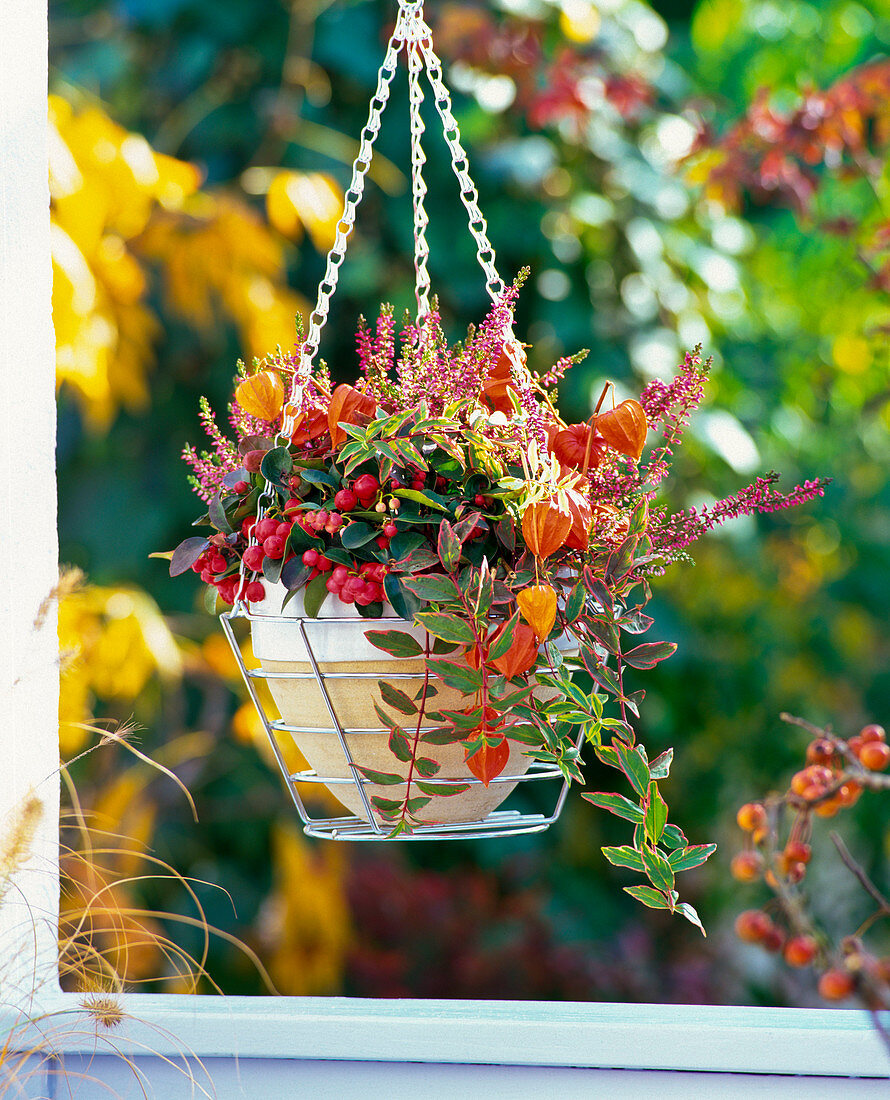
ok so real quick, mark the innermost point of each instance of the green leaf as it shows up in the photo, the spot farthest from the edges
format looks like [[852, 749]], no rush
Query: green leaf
[[500, 645], [575, 603], [404, 542], [399, 745], [616, 804], [294, 574], [385, 805], [210, 598], [634, 767], [385, 779], [319, 477], [625, 856], [430, 499], [525, 735], [648, 896], [660, 767], [608, 756], [314, 595], [278, 462], [621, 560], [431, 586], [396, 699], [461, 677], [673, 837], [272, 568], [659, 870], [427, 767], [450, 628], [218, 516], [684, 859], [656, 814], [414, 804], [446, 735], [444, 789], [357, 534], [403, 602], [649, 654], [395, 642], [686, 910], [449, 547]]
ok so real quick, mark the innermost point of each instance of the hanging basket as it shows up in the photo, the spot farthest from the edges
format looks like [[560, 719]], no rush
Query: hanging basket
[[322, 673], [325, 677]]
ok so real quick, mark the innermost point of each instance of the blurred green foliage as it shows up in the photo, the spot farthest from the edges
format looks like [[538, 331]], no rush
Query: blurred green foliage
[[628, 258]]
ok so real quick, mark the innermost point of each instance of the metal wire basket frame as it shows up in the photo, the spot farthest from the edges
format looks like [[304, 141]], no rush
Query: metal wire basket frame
[[499, 823]]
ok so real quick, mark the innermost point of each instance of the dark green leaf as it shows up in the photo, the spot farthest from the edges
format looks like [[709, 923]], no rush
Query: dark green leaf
[[414, 804], [461, 677], [448, 627], [649, 654], [357, 534], [320, 477], [277, 463], [672, 837], [575, 603], [186, 554], [272, 568], [403, 602], [660, 872], [431, 586], [415, 560], [444, 736], [621, 560], [314, 595], [426, 766], [425, 496], [404, 542], [441, 789], [399, 745], [385, 805], [218, 516], [385, 779], [396, 699], [395, 642]]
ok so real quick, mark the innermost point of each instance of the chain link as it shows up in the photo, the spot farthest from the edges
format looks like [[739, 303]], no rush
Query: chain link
[[461, 165], [418, 186]]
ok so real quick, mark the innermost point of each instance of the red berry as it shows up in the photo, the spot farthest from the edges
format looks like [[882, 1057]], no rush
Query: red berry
[[247, 525], [441, 483], [835, 985], [319, 519], [207, 576], [774, 939], [800, 950], [873, 732], [274, 546], [241, 486], [395, 484], [331, 585], [310, 558], [797, 852], [345, 500], [345, 597], [383, 542], [334, 522], [265, 528], [292, 504], [255, 592], [253, 460], [417, 483], [353, 585], [339, 574], [752, 926], [253, 558], [365, 487], [479, 499], [218, 563], [390, 530], [323, 564], [283, 529]]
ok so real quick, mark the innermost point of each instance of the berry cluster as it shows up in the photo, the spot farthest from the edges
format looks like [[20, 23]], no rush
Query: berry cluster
[[836, 773]]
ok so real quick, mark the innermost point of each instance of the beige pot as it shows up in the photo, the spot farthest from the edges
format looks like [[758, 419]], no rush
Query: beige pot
[[341, 650]]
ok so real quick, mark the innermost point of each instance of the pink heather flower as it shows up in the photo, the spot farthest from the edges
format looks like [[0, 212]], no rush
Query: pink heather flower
[[672, 533]]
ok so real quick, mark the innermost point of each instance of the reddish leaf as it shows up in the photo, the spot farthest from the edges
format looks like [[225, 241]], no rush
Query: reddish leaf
[[624, 428], [309, 425], [489, 761]]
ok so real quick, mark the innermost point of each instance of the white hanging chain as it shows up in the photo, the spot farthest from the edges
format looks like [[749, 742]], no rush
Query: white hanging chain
[[418, 185], [412, 33]]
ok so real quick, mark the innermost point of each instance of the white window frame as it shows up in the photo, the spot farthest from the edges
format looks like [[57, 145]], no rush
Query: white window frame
[[740, 1040]]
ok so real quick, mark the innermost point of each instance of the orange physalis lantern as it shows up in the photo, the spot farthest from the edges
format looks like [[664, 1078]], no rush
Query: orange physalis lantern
[[498, 386], [347, 405], [261, 395], [579, 446], [309, 425], [521, 655], [582, 516], [545, 527], [537, 605], [489, 761], [624, 428]]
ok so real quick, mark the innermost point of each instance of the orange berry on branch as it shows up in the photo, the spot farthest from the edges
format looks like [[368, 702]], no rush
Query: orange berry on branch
[[848, 794], [751, 816], [820, 751], [835, 985], [830, 807], [798, 852], [874, 755], [752, 926], [873, 732], [800, 950], [746, 866]]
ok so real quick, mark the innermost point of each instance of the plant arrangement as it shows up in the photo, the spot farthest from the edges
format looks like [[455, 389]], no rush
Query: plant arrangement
[[779, 845], [443, 488]]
